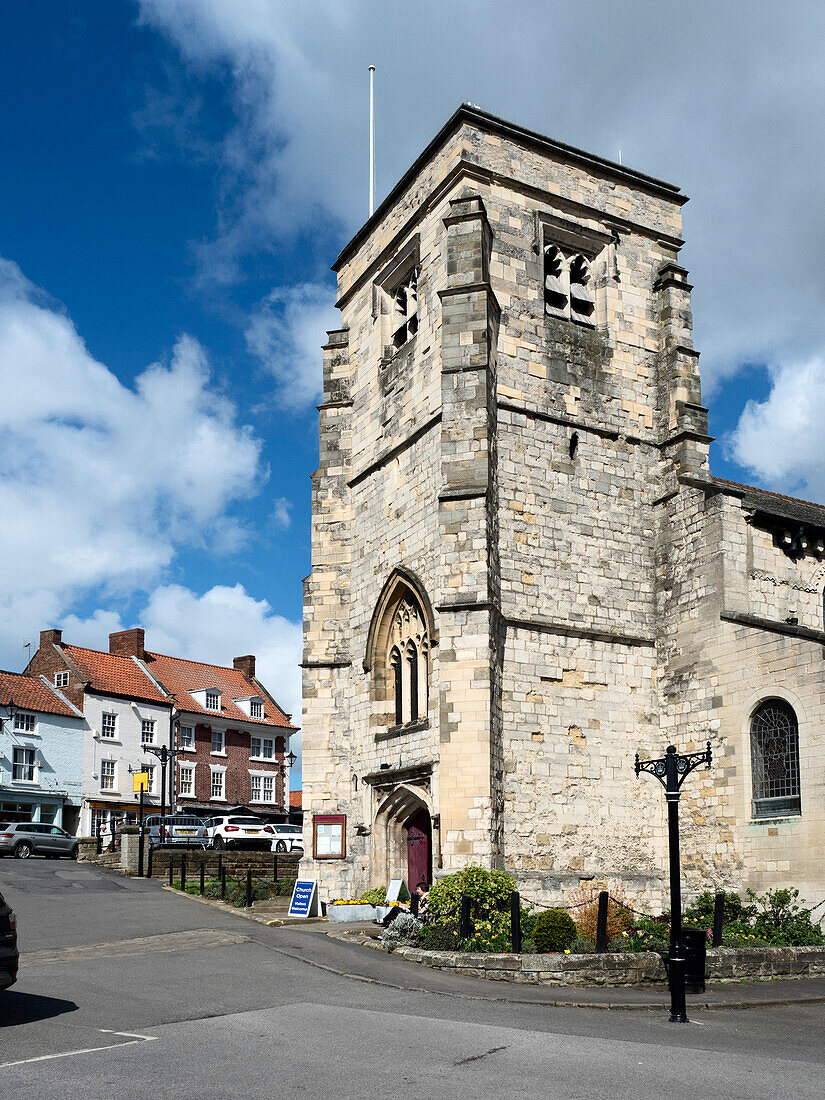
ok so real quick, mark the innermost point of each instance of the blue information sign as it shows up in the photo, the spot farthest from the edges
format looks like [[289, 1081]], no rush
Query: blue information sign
[[304, 899]]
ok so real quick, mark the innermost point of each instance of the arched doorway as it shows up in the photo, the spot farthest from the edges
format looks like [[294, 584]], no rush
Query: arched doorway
[[402, 838], [419, 849]]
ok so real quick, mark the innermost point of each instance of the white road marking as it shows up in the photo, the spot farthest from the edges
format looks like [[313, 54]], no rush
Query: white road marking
[[130, 1037]]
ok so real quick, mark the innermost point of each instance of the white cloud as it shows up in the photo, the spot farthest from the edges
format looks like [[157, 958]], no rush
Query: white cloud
[[101, 484], [224, 623], [281, 516], [726, 99], [286, 333], [780, 439], [92, 631]]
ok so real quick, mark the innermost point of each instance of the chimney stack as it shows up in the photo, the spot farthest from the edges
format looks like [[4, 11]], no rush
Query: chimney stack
[[50, 637], [246, 665], [127, 643]]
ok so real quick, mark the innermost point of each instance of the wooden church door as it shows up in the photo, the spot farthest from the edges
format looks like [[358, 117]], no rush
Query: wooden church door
[[419, 849]]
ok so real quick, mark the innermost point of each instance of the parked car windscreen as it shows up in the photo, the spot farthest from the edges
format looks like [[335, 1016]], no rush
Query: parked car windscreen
[[244, 821]]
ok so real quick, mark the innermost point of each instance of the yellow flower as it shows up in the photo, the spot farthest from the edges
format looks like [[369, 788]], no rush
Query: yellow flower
[[567, 950]]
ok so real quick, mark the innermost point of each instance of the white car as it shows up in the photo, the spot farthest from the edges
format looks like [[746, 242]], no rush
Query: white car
[[286, 838], [237, 832]]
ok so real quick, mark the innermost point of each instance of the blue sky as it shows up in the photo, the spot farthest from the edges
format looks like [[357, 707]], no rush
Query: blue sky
[[178, 176]]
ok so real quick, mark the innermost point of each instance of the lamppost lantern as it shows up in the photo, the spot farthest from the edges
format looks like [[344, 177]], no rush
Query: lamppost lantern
[[672, 770], [8, 710], [291, 758]]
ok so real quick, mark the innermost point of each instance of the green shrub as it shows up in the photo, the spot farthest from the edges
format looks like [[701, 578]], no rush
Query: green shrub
[[378, 896], [779, 920], [490, 890], [554, 930], [439, 937], [700, 912], [491, 934], [402, 931], [236, 892]]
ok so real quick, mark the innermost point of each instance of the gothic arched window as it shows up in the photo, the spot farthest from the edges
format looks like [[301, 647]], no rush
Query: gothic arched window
[[398, 684], [412, 664], [775, 760], [401, 635]]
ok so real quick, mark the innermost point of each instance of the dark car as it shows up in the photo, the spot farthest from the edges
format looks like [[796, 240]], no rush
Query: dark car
[[9, 957], [22, 839]]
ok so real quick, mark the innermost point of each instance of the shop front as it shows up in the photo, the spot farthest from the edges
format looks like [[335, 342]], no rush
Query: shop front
[[52, 808]]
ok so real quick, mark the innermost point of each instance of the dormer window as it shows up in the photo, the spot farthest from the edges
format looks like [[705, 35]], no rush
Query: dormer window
[[212, 700], [256, 708], [61, 679]]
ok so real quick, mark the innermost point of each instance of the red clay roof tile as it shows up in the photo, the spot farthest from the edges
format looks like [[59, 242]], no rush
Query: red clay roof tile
[[30, 693], [118, 675], [180, 677]]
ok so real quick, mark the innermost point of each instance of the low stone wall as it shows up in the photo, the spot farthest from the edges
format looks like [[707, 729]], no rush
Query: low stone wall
[[236, 862], [644, 968]]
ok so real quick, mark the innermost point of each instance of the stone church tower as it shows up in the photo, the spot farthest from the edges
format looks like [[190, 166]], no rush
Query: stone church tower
[[523, 571]]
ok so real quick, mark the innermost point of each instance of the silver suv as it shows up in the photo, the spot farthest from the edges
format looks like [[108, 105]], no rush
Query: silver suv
[[22, 839], [183, 829]]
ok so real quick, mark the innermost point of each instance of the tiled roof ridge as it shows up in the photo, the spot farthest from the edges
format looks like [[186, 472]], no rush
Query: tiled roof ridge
[[768, 492], [44, 693], [98, 652], [190, 661]]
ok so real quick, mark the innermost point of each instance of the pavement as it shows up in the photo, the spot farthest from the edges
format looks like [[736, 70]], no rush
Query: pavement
[[126, 987]]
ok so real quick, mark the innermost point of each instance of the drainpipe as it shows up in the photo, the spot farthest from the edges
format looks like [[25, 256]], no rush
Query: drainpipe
[[173, 716]]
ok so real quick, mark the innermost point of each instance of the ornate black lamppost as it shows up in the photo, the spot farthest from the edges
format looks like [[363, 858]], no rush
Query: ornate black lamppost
[[166, 757], [671, 771]]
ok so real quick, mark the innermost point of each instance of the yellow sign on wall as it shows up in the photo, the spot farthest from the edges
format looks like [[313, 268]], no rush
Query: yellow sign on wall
[[140, 781]]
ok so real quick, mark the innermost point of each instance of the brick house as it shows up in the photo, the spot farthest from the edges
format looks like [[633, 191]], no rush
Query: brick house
[[232, 737]]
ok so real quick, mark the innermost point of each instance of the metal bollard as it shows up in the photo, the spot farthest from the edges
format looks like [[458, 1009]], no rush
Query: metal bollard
[[718, 919], [601, 922], [149, 862], [275, 866], [222, 873], [141, 845], [515, 922], [203, 872], [183, 872], [171, 870], [220, 864], [249, 887]]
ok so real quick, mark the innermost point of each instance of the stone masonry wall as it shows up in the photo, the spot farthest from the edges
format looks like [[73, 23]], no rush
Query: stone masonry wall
[[595, 592]]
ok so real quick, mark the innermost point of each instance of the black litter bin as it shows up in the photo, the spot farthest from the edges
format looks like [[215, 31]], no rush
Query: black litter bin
[[695, 942]]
